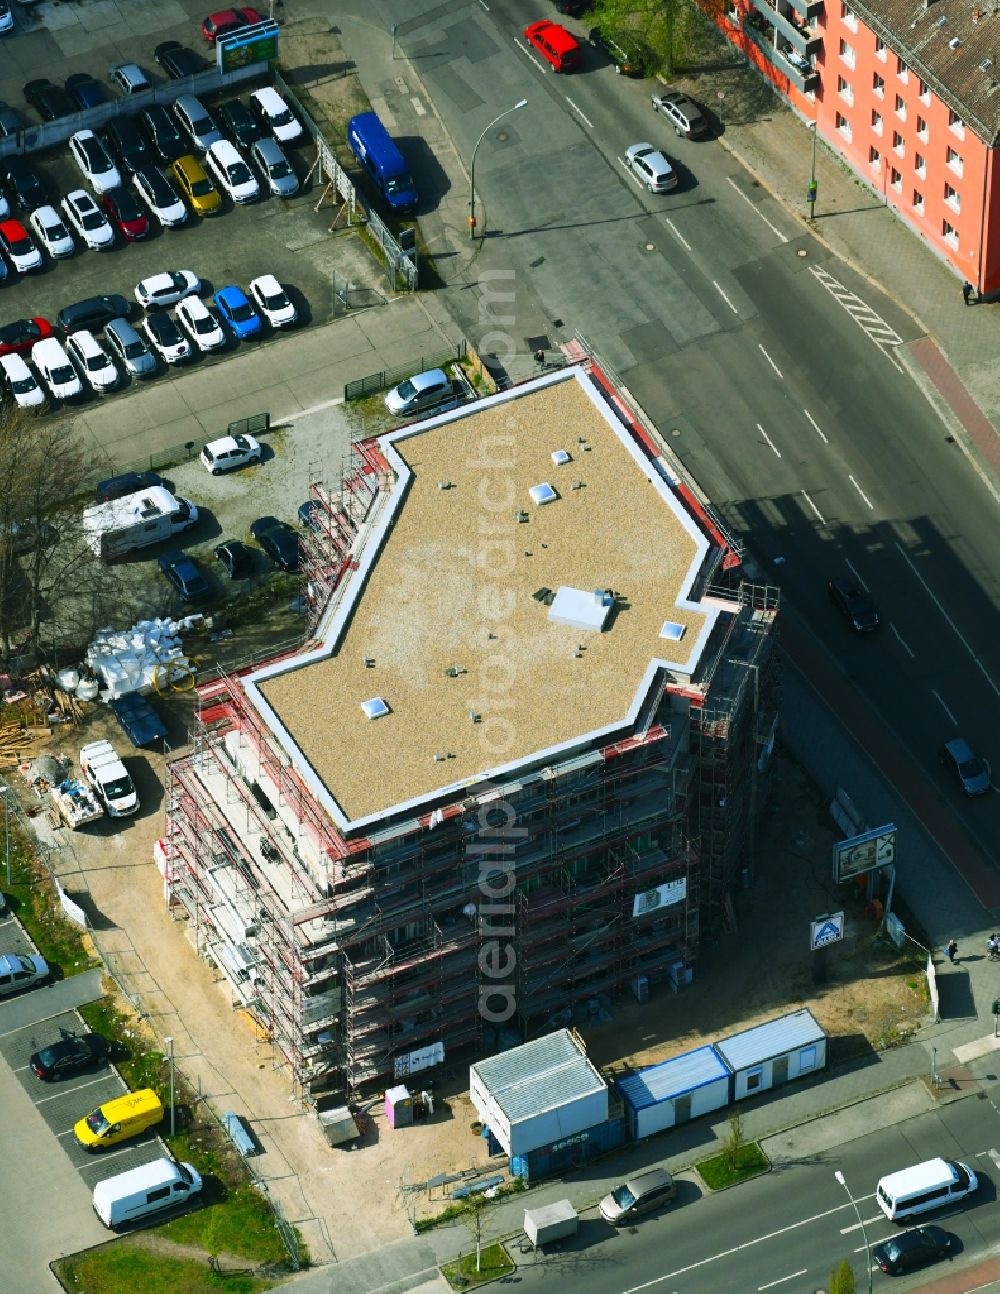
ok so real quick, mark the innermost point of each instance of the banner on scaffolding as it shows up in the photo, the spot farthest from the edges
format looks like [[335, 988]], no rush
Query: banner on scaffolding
[[415, 1061], [664, 896]]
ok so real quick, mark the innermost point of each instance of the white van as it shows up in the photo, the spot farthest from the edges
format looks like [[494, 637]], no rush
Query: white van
[[927, 1186], [163, 1184]]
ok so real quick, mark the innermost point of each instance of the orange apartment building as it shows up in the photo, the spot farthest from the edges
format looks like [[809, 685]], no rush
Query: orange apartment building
[[908, 93]]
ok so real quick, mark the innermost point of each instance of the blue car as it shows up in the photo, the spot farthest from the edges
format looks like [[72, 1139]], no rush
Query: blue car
[[183, 573], [237, 311]]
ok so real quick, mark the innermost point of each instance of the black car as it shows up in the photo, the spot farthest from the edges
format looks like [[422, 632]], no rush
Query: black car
[[177, 60], [237, 559], [278, 540], [912, 1249], [116, 487], [239, 123], [69, 1055], [85, 91], [11, 120], [185, 575], [50, 101], [854, 605], [127, 142], [24, 184], [165, 133], [92, 313]]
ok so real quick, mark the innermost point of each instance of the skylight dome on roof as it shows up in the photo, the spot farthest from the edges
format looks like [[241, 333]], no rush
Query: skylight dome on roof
[[559, 456], [375, 708], [672, 630], [543, 493]]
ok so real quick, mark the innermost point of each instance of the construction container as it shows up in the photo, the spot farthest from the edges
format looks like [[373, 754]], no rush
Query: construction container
[[674, 1091], [773, 1053]]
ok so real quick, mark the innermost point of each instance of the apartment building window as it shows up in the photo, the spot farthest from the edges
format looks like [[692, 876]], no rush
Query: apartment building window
[[847, 53], [874, 159], [844, 89], [850, 19], [878, 86], [924, 91], [843, 125], [900, 107], [918, 202], [896, 180], [950, 235], [898, 143], [956, 123], [922, 130], [876, 122], [919, 165], [955, 161], [952, 198], [880, 49], [902, 71]]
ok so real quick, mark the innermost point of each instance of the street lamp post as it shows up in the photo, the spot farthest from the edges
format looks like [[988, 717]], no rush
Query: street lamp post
[[472, 186], [861, 1222], [6, 828], [170, 1058], [811, 193]]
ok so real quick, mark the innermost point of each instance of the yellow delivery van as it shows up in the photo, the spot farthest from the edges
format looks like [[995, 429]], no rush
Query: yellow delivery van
[[118, 1120]]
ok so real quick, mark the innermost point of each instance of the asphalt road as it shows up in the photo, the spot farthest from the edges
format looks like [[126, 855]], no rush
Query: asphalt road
[[787, 1230], [760, 357]]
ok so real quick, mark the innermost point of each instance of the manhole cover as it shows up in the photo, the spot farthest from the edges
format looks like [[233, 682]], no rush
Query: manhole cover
[[650, 247], [675, 431], [803, 251]]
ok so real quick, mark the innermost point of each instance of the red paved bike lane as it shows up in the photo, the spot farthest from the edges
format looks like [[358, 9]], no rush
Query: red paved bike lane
[[910, 782], [983, 1276]]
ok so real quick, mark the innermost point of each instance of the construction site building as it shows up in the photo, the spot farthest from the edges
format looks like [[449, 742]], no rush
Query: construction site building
[[467, 811]]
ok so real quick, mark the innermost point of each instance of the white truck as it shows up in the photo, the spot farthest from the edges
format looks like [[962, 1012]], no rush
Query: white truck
[[136, 521], [104, 770]]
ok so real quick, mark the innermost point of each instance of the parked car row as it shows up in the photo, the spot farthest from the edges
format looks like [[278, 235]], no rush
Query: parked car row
[[75, 360]]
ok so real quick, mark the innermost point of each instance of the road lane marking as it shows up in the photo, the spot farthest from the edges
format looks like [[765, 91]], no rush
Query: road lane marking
[[816, 427], [862, 493], [954, 627], [870, 323], [749, 1244], [903, 643], [937, 698], [777, 451], [579, 112], [770, 360], [856, 573], [418, 107], [773, 228], [678, 235], [723, 295], [772, 1284], [527, 53], [859, 1226], [814, 508]]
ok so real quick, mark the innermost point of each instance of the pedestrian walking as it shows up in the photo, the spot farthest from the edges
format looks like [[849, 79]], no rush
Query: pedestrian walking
[[952, 951], [967, 291]]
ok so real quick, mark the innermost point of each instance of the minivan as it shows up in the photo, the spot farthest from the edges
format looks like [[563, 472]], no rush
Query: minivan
[[931, 1185], [555, 44], [129, 78], [373, 146], [152, 1188], [119, 1120], [638, 1195]]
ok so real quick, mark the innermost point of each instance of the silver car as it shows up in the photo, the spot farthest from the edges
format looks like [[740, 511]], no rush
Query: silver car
[[128, 347], [18, 972], [683, 115], [970, 770], [275, 168]]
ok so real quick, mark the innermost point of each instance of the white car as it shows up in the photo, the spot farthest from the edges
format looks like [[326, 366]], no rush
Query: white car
[[6, 17], [57, 372], [650, 168], [92, 361], [161, 198], [272, 301], [274, 113], [21, 251], [200, 324], [94, 161], [229, 452], [167, 339], [166, 289], [47, 226], [88, 220], [233, 174], [20, 382]]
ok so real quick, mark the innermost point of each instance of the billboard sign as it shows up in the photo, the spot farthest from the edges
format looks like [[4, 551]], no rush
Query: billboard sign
[[825, 930], [255, 44], [860, 854], [664, 896]]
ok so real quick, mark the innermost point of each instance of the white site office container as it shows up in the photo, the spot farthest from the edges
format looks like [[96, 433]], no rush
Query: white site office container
[[539, 1093], [773, 1053], [674, 1091]]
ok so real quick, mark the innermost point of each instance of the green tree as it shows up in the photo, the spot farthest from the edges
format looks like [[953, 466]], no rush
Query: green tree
[[842, 1279], [735, 1138]]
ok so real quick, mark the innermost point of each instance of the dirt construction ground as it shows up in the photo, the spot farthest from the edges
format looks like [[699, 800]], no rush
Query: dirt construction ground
[[761, 970]]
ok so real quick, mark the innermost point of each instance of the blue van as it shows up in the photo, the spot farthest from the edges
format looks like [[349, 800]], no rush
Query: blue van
[[372, 145]]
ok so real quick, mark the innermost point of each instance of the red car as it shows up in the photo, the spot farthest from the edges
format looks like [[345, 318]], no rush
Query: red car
[[223, 21], [22, 334], [125, 214], [555, 44]]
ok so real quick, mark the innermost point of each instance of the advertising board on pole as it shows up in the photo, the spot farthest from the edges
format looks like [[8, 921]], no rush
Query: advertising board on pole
[[860, 854]]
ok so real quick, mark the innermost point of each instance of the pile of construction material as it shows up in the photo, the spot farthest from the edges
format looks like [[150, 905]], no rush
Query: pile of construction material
[[148, 655]]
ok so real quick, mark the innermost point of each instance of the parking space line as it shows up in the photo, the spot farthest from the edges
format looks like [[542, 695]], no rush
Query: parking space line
[[68, 1091]]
